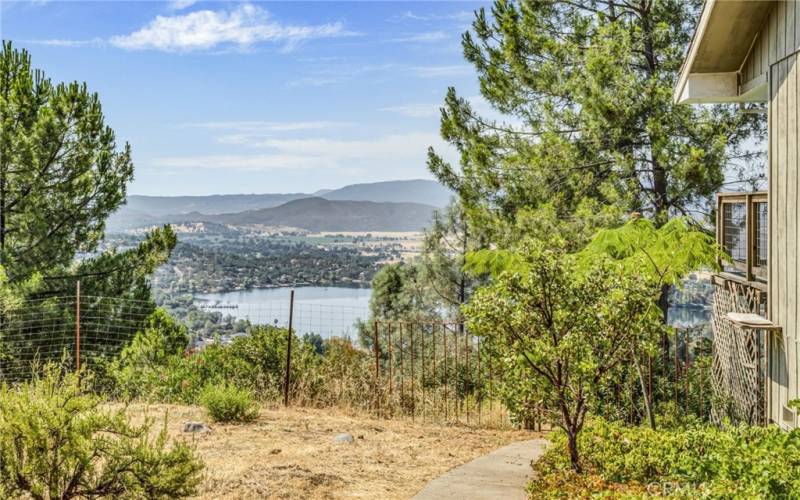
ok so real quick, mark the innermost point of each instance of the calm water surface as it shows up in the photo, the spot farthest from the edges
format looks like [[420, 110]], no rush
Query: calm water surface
[[327, 311]]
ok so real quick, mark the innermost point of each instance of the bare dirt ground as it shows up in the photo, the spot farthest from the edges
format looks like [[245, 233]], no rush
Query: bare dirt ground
[[290, 453]]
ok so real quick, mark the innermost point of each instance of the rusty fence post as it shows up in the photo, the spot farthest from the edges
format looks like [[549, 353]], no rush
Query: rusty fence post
[[78, 326], [422, 368], [677, 368], [446, 381], [391, 362], [467, 374], [455, 372], [413, 379], [288, 351], [402, 366], [377, 370], [433, 368], [479, 380], [687, 369]]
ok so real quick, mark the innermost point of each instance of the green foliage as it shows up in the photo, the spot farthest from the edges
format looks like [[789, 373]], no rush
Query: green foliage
[[343, 376], [569, 329], [694, 461], [401, 292], [447, 242], [58, 442], [664, 255], [585, 94], [139, 367], [228, 403], [61, 172], [124, 274], [154, 366]]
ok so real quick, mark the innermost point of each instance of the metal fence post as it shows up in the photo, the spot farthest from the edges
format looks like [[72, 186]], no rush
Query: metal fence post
[[377, 369], [288, 351], [78, 326]]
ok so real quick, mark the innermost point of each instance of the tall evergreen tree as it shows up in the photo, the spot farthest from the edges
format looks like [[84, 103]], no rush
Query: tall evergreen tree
[[586, 87], [61, 175]]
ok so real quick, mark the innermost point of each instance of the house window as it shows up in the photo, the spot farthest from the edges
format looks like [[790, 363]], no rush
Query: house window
[[734, 224], [760, 232]]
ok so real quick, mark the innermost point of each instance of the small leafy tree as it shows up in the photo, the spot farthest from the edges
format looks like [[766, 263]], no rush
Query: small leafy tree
[[571, 328], [663, 256], [57, 442]]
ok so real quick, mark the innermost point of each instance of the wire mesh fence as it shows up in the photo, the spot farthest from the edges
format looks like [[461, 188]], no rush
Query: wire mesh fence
[[427, 370], [432, 371], [309, 315], [76, 330]]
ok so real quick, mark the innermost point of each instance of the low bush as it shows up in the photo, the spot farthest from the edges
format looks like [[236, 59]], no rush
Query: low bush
[[155, 366], [228, 403], [697, 461], [58, 442]]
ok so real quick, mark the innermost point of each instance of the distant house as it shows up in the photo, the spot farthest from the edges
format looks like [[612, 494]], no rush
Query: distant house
[[747, 52]]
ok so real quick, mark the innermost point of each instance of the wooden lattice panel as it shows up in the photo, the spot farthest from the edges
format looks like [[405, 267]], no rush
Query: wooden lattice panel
[[738, 365]]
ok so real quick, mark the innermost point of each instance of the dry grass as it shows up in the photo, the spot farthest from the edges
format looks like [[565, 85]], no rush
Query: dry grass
[[291, 453]]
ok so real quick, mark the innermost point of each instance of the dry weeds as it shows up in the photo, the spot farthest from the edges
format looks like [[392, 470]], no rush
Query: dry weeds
[[290, 453]]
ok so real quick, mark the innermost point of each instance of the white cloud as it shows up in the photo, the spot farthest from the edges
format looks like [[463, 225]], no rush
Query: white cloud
[[419, 110], [427, 37], [342, 73], [462, 15], [262, 127], [245, 163], [181, 4], [242, 27], [60, 42], [394, 151]]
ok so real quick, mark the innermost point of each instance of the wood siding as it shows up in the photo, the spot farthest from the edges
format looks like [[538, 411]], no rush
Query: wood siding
[[775, 52], [778, 39]]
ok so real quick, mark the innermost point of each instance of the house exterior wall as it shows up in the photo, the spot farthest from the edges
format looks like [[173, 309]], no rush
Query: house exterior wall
[[774, 55], [778, 38]]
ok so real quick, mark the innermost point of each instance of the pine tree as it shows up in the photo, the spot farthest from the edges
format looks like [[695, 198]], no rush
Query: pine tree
[[585, 88], [61, 172]]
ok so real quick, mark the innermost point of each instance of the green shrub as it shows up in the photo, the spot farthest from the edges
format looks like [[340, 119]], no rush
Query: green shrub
[[56, 441], [697, 461], [228, 403], [138, 371], [154, 367]]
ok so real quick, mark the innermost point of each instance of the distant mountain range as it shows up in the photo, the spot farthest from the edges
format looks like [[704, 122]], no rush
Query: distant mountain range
[[320, 214], [380, 206]]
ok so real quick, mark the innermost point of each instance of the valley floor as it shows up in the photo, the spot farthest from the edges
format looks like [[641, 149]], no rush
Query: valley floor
[[290, 453]]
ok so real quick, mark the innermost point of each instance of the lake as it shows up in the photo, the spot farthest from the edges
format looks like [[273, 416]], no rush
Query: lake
[[327, 311], [333, 311]]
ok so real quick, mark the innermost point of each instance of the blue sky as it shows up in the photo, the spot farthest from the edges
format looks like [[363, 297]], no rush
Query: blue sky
[[256, 97]]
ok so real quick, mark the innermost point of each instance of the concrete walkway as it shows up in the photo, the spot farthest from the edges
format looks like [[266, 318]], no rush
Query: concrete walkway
[[501, 474]]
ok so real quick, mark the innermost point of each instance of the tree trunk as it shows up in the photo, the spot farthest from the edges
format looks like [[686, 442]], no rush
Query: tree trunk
[[572, 445], [647, 401]]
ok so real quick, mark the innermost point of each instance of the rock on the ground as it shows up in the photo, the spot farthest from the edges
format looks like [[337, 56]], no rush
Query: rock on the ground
[[343, 438], [195, 427]]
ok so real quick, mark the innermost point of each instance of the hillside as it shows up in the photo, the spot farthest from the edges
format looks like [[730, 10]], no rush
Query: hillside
[[319, 214], [414, 191], [214, 204]]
